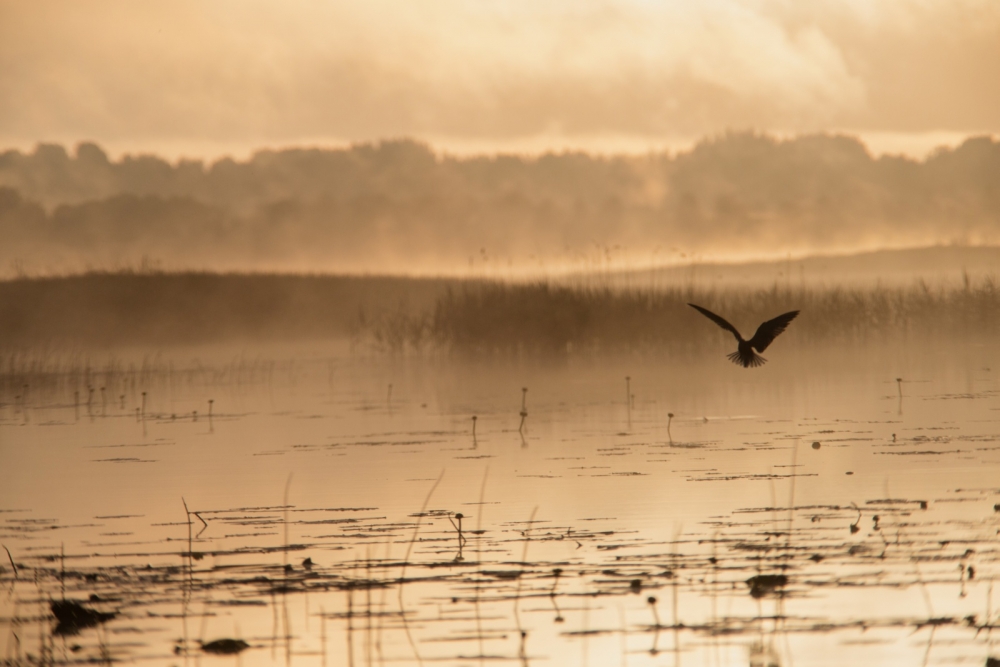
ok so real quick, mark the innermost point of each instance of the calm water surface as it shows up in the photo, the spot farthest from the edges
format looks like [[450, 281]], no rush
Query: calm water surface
[[815, 511]]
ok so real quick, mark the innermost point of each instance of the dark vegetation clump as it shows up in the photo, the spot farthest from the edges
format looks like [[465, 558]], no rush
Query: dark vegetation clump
[[766, 584], [225, 646], [73, 617]]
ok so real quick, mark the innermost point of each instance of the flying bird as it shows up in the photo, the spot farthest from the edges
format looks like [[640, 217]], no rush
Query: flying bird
[[766, 333]]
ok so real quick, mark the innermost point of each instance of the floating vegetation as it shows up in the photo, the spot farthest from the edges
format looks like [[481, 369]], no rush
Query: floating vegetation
[[74, 617], [225, 646], [762, 585], [371, 554], [244, 571]]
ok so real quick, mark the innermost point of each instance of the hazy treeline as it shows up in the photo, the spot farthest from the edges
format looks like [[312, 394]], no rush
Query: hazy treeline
[[398, 205], [396, 314]]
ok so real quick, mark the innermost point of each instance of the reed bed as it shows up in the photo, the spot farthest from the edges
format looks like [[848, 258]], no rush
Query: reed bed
[[114, 310], [99, 385], [159, 311], [542, 318]]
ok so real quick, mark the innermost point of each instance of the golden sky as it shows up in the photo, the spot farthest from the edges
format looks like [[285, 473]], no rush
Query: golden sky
[[211, 76]]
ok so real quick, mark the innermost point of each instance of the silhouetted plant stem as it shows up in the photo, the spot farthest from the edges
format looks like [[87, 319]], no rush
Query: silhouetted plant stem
[[11, 559], [628, 400], [520, 578], [406, 560], [524, 409]]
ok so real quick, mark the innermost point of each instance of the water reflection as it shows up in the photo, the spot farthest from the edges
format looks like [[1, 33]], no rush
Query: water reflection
[[303, 522]]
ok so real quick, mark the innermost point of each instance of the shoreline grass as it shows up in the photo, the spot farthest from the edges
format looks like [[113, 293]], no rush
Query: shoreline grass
[[113, 310], [541, 318]]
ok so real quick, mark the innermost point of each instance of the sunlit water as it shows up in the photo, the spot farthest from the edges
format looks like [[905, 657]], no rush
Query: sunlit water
[[815, 511]]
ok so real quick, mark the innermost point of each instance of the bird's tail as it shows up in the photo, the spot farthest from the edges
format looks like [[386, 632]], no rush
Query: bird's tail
[[749, 359]]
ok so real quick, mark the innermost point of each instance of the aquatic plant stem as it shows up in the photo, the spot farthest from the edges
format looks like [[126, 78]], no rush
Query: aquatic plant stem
[[188, 589], [406, 560], [288, 485], [479, 562], [322, 636], [628, 400], [524, 560], [190, 555], [11, 559]]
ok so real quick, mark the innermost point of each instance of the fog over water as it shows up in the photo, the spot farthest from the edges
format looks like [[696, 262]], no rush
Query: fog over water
[[601, 333], [398, 207], [348, 508]]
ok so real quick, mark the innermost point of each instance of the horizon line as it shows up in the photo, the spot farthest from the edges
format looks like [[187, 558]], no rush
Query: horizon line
[[154, 266], [916, 146]]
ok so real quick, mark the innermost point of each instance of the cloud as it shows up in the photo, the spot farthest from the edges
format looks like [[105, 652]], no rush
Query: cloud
[[263, 72]]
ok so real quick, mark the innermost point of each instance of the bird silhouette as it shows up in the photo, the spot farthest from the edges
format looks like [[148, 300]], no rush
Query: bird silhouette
[[765, 334]]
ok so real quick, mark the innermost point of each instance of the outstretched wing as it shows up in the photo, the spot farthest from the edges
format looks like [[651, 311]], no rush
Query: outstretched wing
[[718, 320], [769, 330]]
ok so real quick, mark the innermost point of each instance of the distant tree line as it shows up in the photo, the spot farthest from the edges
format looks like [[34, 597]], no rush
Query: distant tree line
[[397, 204]]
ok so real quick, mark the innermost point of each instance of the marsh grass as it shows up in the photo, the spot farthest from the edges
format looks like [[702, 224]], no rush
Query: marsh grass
[[107, 309], [542, 318], [395, 315], [53, 375]]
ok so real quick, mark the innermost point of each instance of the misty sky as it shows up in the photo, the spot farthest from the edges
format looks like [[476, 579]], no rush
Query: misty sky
[[208, 76]]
